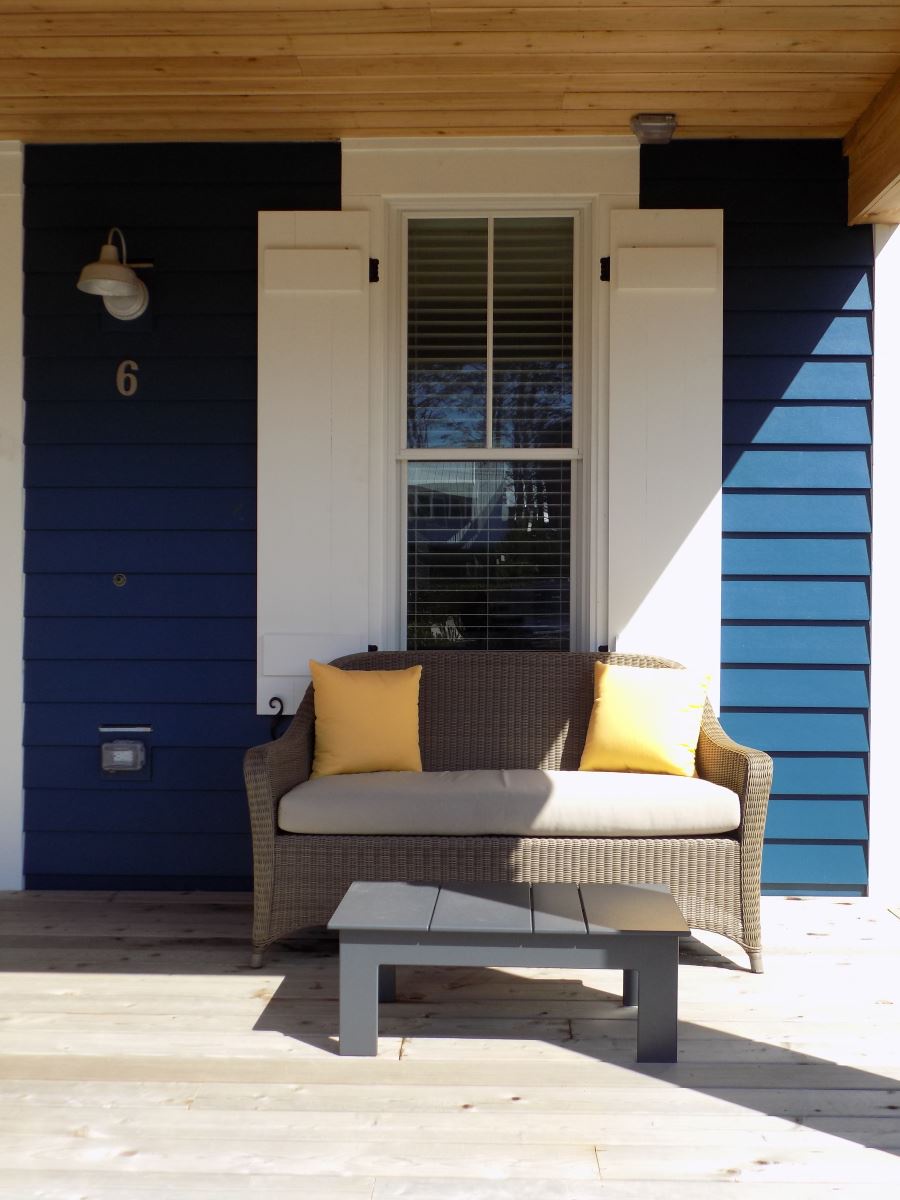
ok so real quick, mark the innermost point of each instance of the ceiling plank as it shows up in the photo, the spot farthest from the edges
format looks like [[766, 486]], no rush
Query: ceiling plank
[[283, 76], [710, 43], [839, 20], [187, 69], [292, 6], [808, 109], [873, 147], [538, 60]]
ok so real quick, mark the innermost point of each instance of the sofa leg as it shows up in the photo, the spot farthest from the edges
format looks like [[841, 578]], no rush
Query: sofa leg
[[256, 958], [756, 961]]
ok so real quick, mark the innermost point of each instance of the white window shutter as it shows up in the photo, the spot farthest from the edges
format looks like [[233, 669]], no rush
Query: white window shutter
[[665, 469], [313, 446]]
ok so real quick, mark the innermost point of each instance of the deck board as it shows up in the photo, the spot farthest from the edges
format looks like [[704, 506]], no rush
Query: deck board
[[141, 1057]]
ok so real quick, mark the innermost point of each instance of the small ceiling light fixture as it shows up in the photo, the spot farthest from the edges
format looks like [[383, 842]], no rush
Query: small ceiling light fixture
[[124, 295], [654, 128]]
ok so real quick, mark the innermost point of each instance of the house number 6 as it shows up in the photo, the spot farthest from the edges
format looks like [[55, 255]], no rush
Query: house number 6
[[126, 377]]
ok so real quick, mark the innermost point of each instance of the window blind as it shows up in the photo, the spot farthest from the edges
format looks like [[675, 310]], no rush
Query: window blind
[[489, 332], [447, 332], [532, 332]]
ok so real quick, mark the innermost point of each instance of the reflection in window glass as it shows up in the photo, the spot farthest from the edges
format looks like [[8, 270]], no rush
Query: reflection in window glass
[[532, 327], [447, 335], [488, 555]]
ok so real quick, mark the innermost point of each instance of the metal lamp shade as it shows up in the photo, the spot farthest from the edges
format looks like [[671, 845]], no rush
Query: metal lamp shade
[[124, 295]]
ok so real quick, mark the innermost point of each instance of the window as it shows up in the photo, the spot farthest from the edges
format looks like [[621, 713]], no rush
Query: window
[[489, 321], [643, 469]]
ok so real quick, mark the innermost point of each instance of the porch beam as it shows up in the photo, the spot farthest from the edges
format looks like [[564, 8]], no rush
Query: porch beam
[[873, 147]]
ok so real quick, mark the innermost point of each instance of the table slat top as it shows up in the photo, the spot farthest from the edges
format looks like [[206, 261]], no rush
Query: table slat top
[[403, 906], [557, 908], [483, 908], [509, 908], [631, 908]]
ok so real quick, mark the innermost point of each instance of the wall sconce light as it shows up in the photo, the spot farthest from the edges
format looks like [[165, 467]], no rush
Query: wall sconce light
[[124, 295], [654, 128]]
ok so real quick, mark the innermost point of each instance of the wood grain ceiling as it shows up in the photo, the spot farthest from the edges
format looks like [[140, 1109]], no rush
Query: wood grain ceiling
[[175, 70]]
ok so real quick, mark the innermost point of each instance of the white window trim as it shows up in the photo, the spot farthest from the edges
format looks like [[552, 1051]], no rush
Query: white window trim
[[381, 174], [884, 816], [585, 571], [12, 429]]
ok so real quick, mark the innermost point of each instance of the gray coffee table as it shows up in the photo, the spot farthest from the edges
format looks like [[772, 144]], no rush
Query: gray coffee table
[[591, 925]]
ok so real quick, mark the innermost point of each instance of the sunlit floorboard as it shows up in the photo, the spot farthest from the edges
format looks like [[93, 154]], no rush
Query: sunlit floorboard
[[141, 1057]]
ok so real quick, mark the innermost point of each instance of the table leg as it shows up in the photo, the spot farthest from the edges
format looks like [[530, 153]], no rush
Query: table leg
[[629, 988], [657, 1016], [359, 975], [387, 984]]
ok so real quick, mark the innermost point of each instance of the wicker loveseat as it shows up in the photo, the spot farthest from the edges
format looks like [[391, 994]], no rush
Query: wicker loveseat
[[505, 710]]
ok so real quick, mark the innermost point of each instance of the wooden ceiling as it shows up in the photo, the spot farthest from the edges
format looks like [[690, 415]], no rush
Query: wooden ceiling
[[176, 70]]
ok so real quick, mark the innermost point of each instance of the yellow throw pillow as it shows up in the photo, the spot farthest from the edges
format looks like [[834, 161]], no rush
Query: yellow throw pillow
[[365, 720], [644, 719]]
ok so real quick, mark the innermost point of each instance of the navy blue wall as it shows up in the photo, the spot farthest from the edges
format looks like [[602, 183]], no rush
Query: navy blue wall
[[796, 473], [158, 487]]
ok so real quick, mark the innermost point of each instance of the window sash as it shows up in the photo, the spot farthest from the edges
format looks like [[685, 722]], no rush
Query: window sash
[[488, 554], [470, 253], [584, 311]]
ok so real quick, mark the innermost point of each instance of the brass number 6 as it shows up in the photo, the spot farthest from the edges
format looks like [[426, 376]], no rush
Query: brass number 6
[[126, 377]]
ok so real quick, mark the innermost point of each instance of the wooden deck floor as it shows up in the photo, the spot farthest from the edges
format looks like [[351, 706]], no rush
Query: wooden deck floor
[[142, 1058]]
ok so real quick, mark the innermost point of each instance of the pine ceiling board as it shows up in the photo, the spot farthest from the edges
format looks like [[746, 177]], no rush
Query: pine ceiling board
[[287, 6], [151, 22], [296, 6], [224, 77], [48, 132], [522, 102], [689, 102], [552, 17], [512, 64], [709, 43], [333, 123], [709, 108], [339, 18]]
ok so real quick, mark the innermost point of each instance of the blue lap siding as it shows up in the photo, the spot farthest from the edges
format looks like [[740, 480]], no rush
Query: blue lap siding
[[796, 461], [158, 487]]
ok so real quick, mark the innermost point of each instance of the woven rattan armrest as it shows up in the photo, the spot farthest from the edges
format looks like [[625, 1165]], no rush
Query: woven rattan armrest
[[749, 773], [746, 771], [272, 769]]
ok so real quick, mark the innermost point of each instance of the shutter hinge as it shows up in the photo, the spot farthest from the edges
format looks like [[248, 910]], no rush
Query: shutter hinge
[[373, 270], [604, 269]]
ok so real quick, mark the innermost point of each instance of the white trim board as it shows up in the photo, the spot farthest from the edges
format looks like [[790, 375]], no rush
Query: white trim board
[[884, 813], [12, 592], [587, 614], [493, 167]]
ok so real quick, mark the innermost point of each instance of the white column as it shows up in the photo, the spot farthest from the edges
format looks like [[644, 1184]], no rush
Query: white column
[[12, 513], [884, 809]]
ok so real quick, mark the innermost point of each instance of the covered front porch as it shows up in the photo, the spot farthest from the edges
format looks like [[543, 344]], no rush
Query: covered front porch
[[143, 1058]]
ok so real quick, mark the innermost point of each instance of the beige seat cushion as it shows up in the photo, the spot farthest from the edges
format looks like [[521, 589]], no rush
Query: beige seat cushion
[[518, 803]]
